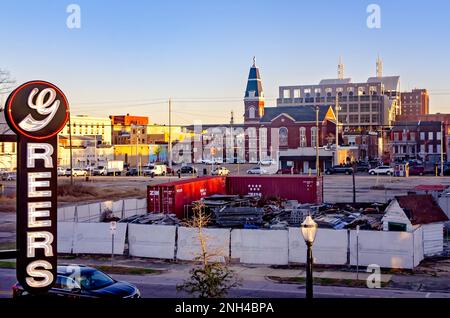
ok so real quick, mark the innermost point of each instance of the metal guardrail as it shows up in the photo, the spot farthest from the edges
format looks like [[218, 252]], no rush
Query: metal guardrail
[[7, 254]]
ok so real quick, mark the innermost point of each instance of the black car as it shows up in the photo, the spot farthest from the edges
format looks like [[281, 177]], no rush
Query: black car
[[187, 170], [363, 167], [79, 281], [339, 169], [132, 172]]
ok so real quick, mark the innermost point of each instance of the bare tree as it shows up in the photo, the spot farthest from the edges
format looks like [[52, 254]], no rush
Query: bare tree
[[6, 84], [210, 278]]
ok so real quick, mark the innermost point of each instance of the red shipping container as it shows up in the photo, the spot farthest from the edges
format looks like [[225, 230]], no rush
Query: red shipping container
[[304, 189], [172, 197]]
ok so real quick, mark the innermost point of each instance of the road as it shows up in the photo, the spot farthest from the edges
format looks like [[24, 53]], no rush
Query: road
[[164, 286]]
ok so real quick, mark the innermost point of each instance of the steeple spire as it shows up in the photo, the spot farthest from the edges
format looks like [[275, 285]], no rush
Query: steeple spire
[[341, 68], [254, 61]]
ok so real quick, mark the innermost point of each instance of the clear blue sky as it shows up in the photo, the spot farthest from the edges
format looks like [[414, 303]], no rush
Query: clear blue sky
[[134, 51]]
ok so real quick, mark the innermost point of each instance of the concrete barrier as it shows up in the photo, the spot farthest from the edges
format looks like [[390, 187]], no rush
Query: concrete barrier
[[155, 241], [82, 213], [218, 243], [94, 212], [260, 246], [330, 247], [117, 208], [386, 249], [130, 207], [141, 206], [65, 237], [66, 214], [95, 238]]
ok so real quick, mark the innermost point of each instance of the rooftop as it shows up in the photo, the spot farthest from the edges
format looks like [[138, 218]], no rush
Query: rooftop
[[421, 209]]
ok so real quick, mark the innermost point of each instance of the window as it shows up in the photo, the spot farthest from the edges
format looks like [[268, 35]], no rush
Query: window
[[263, 136], [422, 136], [344, 108], [251, 112], [396, 227], [438, 135], [302, 137], [297, 93], [354, 119], [396, 136], [422, 148], [412, 136], [354, 109], [438, 148], [374, 119], [283, 136], [365, 108], [404, 136], [365, 119], [430, 148], [313, 136], [286, 93]]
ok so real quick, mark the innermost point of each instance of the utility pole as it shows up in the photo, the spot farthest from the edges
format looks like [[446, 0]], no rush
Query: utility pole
[[337, 129], [137, 145], [442, 149], [169, 147], [70, 152], [317, 143]]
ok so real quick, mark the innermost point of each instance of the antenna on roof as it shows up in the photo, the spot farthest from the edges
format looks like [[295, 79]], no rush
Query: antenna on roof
[[379, 67], [341, 67]]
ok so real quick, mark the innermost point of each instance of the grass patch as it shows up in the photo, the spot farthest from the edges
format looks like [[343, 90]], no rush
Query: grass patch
[[7, 246], [76, 190], [324, 281], [5, 264], [126, 270]]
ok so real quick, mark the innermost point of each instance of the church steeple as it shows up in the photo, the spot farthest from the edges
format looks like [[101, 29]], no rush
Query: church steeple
[[379, 67], [254, 95]]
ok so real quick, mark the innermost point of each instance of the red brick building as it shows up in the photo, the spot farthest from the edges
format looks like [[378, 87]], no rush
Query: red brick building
[[416, 102]]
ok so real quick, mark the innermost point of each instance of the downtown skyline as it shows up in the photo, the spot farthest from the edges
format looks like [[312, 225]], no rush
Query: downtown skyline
[[131, 57]]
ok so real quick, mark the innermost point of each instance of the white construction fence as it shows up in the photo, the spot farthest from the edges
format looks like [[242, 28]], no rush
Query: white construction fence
[[80, 232]]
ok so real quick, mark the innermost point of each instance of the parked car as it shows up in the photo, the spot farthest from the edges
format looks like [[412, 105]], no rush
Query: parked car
[[363, 167], [76, 172], [339, 169], [79, 281], [155, 170], [187, 170], [220, 171], [257, 170], [61, 171], [235, 160], [416, 170], [99, 171], [382, 170], [9, 176], [132, 172], [267, 162], [288, 170]]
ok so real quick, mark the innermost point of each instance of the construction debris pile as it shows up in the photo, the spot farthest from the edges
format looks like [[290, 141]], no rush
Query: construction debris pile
[[152, 218], [253, 212]]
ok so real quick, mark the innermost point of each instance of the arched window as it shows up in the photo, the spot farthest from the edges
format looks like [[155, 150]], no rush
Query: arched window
[[283, 136], [251, 112], [302, 137], [313, 136]]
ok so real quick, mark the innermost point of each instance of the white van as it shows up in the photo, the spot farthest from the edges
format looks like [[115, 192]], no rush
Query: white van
[[155, 170]]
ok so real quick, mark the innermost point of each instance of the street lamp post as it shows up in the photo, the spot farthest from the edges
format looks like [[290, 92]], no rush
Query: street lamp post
[[317, 142], [309, 231]]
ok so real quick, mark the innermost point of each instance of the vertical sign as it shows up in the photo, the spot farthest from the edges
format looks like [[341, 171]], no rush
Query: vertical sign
[[36, 111]]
